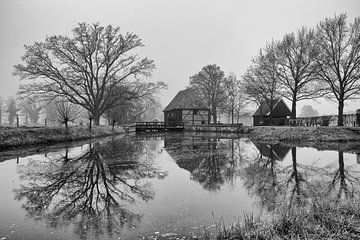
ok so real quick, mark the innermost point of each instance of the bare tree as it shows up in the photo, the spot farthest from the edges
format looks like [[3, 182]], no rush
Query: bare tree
[[339, 61], [63, 112], [209, 83], [12, 109], [296, 66], [308, 111], [133, 103], [84, 69], [32, 109], [260, 82], [234, 103]]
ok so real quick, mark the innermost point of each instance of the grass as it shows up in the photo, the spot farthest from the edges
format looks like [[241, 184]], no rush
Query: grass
[[300, 133], [323, 219], [11, 137]]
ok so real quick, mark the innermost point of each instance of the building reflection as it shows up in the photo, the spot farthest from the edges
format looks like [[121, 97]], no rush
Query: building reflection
[[90, 190], [211, 162]]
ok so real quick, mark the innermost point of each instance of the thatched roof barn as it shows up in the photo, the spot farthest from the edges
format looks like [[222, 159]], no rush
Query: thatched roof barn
[[188, 108], [279, 114]]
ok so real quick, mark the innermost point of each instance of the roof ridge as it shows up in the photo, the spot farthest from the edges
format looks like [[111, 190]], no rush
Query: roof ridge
[[186, 99]]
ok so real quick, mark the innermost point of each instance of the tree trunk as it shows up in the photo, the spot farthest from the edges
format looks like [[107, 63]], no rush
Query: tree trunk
[[90, 123], [96, 119], [232, 115], [340, 113], [271, 112], [293, 108], [214, 114], [261, 121], [66, 125]]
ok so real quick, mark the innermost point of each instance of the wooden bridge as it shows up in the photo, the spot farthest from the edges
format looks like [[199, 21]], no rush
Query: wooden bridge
[[158, 126]]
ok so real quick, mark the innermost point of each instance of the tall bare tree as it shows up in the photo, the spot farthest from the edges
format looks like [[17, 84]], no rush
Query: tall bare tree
[[260, 82], [235, 102], [85, 68], [297, 68], [209, 83], [339, 62]]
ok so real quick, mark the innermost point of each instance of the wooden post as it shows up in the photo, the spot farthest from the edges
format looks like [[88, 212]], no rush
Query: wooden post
[[17, 121]]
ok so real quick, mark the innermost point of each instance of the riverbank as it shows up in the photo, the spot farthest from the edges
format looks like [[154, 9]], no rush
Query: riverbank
[[286, 134], [11, 137], [323, 219]]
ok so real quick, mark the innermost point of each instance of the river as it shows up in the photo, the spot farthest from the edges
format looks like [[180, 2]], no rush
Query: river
[[163, 186]]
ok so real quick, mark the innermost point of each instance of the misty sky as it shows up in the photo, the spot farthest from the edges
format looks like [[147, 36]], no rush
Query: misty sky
[[180, 36]]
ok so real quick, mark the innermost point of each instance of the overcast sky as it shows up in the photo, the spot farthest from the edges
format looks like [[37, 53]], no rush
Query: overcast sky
[[180, 36]]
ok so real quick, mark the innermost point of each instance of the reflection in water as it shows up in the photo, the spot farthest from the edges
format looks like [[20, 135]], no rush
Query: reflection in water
[[298, 191], [261, 175], [277, 183], [89, 190], [212, 162], [347, 180]]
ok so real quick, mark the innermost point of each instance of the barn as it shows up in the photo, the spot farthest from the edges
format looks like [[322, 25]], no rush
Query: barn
[[187, 108], [279, 116]]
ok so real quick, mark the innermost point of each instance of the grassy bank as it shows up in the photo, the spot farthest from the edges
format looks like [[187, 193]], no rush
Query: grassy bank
[[304, 134], [27, 136], [323, 219]]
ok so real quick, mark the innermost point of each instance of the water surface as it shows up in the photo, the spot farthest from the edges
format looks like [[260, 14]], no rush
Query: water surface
[[163, 186]]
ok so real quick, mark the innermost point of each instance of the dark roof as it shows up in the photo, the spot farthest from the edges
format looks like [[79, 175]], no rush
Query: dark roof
[[278, 105], [186, 99], [276, 152]]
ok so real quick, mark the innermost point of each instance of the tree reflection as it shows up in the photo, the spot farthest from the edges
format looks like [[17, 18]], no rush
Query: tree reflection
[[278, 184], [261, 176], [89, 190], [297, 185], [345, 182], [211, 171], [211, 162]]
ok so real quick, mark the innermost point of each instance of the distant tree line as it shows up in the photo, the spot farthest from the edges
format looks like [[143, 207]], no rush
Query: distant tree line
[[319, 62]]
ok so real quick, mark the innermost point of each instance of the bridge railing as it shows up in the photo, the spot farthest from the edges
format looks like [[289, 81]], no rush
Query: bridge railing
[[158, 125]]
